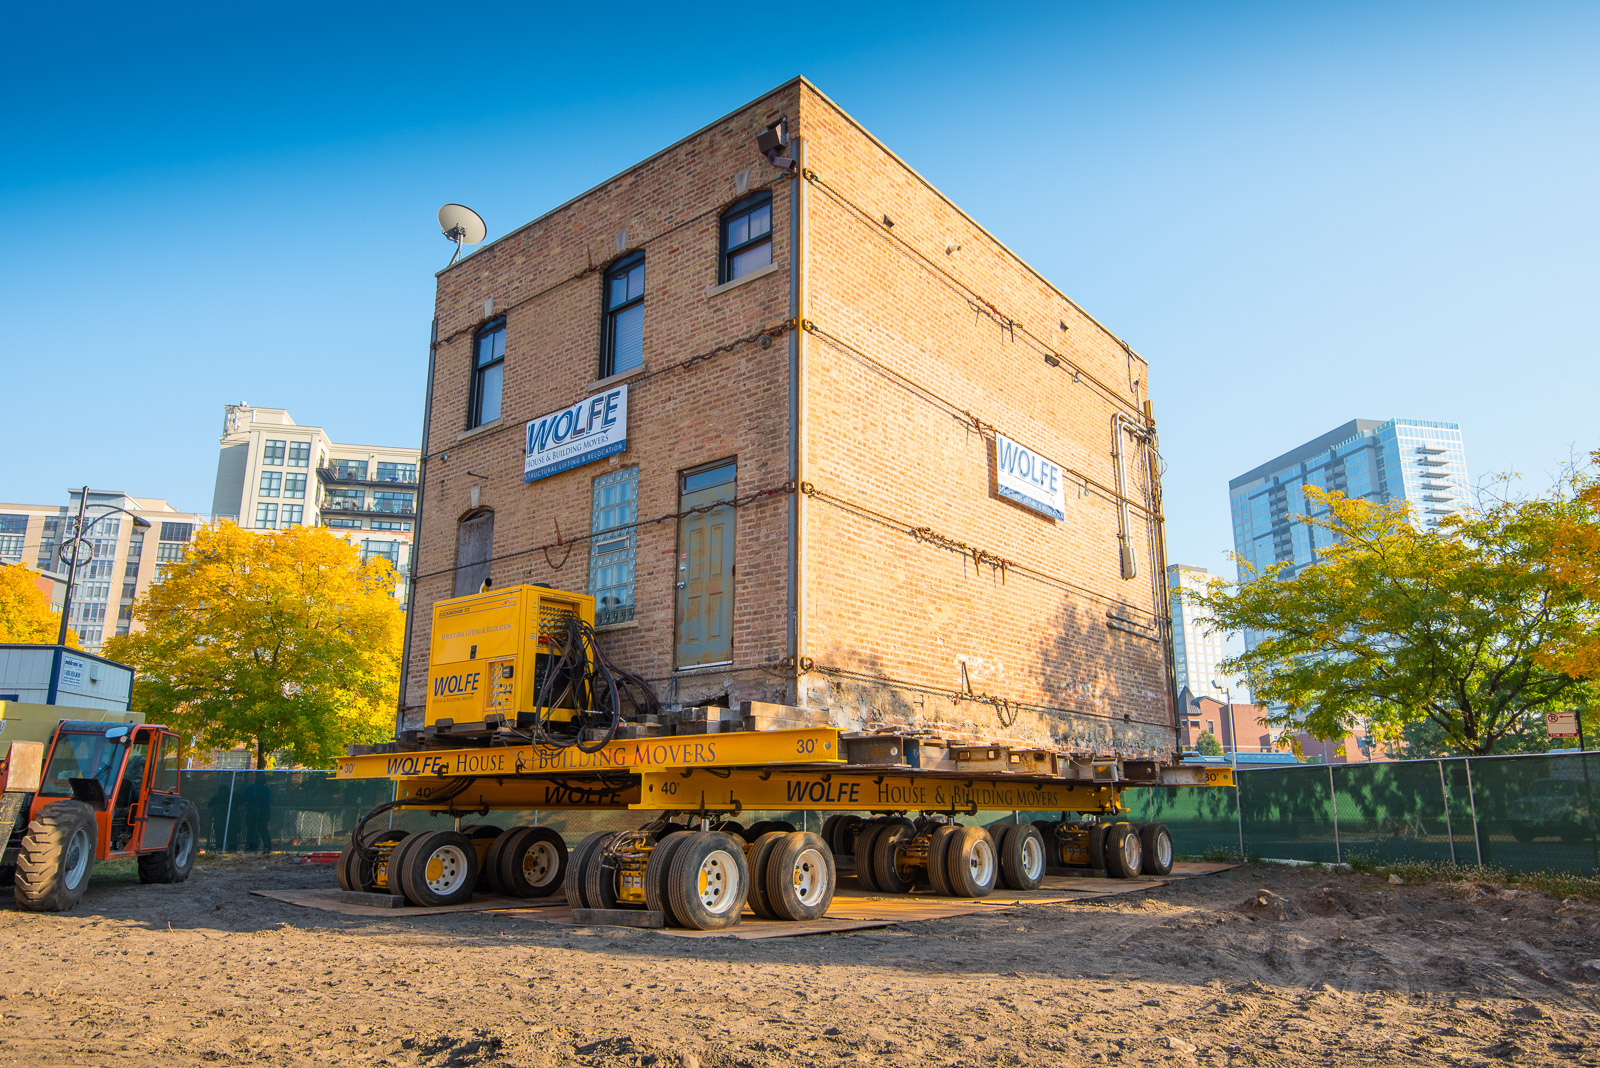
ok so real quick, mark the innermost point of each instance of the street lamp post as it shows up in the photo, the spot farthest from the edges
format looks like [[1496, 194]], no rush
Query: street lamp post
[[1233, 736], [77, 543]]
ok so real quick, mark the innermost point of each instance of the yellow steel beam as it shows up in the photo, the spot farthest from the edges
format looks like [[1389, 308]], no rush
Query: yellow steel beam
[[616, 792], [693, 789], [741, 748]]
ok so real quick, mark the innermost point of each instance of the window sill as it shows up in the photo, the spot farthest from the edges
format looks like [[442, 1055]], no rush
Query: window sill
[[626, 624], [621, 376], [481, 428], [771, 268]]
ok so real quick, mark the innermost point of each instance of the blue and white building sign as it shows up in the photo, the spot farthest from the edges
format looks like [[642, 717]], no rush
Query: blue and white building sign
[[1024, 476], [590, 430]]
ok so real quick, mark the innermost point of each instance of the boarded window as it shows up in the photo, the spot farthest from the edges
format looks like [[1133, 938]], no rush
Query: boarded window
[[474, 546]]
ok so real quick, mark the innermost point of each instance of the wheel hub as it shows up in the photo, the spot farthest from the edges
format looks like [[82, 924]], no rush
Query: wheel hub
[[715, 882], [538, 863], [809, 877], [445, 870]]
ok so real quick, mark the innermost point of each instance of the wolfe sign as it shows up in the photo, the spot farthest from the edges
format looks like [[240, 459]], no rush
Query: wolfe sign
[[590, 430], [1024, 476]]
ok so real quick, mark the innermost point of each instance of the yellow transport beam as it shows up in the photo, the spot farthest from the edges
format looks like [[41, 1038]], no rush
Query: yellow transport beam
[[693, 789], [613, 792], [741, 748]]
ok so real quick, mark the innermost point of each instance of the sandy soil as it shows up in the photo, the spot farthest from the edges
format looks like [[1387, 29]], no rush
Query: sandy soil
[[1257, 966]]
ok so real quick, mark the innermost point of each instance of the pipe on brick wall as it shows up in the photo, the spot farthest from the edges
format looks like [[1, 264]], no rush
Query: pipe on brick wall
[[797, 408], [1121, 424]]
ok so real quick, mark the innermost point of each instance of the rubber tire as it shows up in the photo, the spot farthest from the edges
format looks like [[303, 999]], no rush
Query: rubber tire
[[964, 844], [938, 858], [1124, 851], [40, 883], [830, 825], [783, 899], [683, 882], [508, 857], [575, 885], [414, 868], [353, 875], [1097, 845], [733, 827], [1152, 836], [864, 854], [760, 850], [165, 866], [668, 829], [656, 871], [475, 833], [1013, 865], [761, 827], [885, 844], [600, 882], [397, 860], [845, 833]]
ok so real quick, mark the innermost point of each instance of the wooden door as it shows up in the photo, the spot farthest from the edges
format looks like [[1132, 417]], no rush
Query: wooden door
[[705, 567]]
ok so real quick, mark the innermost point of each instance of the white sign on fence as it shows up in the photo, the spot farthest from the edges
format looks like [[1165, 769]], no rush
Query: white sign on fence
[[1561, 724], [1024, 476], [592, 429]]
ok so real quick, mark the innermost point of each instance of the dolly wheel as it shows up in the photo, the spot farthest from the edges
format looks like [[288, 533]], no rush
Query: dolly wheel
[[971, 863], [55, 858], [710, 881], [439, 868], [1157, 843], [576, 881], [864, 854], [1022, 857], [1124, 851], [528, 862], [657, 870], [799, 877], [760, 850], [939, 859], [889, 873]]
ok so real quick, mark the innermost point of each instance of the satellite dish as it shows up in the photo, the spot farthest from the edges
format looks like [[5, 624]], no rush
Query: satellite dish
[[462, 225]]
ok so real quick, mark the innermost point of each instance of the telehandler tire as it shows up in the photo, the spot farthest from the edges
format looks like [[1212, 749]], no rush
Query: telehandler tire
[[709, 881], [971, 862], [528, 862], [438, 868], [799, 877], [174, 863], [56, 857]]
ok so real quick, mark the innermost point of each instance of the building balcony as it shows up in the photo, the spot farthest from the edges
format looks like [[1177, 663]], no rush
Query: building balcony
[[333, 476], [376, 508]]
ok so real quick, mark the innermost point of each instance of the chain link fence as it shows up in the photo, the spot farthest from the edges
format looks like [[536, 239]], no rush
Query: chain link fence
[[1522, 813]]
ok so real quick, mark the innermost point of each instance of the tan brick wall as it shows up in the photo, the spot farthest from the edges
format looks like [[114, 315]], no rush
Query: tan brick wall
[[915, 361], [917, 343]]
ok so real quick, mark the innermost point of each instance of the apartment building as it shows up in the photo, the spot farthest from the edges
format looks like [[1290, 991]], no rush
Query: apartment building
[[809, 434], [122, 560], [273, 474]]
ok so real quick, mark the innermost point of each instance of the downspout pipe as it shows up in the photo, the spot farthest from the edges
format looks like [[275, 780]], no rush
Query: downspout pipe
[[416, 533], [797, 411]]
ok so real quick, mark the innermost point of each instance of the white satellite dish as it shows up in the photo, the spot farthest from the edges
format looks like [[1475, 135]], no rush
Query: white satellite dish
[[462, 225]]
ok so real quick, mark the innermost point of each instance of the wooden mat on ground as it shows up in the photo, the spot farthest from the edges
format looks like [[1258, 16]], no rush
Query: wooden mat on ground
[[853, 909]]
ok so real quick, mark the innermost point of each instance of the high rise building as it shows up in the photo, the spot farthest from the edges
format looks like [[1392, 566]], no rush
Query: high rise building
[[1423, 464], [273, 474], [1196, 647], [121, 565]]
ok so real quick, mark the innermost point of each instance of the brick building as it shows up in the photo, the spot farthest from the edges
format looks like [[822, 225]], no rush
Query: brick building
[[934, 503]]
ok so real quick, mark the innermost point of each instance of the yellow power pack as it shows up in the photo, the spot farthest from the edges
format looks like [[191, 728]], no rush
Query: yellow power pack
[[490, 652]]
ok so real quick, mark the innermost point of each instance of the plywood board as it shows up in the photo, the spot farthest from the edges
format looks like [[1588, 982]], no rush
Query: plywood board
[[328, 901]]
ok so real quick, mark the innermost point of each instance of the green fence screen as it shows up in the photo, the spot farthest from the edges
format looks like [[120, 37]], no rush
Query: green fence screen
[[1521, 813]]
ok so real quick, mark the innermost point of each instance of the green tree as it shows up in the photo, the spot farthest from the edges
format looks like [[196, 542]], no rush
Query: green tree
[[1440, 629], [282, 641], [26, 617], [1207, 745]]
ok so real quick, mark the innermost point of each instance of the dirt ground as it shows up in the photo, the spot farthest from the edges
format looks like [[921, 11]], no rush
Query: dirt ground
[[1259, 966]]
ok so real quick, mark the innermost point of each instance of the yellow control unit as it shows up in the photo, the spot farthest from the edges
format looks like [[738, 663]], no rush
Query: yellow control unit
[[491, 653]]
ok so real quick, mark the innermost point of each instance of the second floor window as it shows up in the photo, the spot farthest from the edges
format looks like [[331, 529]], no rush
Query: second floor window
[[623, 344], [746, 237], [488, 373]]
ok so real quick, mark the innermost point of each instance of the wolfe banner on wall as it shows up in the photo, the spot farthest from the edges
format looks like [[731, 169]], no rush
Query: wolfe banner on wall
[[594, 428]]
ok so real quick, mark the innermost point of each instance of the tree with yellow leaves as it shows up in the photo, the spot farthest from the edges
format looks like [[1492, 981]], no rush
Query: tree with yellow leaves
[[26, 617], [283, 641], [1576, 560], [1442, 636]]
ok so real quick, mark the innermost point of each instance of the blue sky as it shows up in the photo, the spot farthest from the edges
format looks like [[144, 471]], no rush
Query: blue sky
[[1299, 214]]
